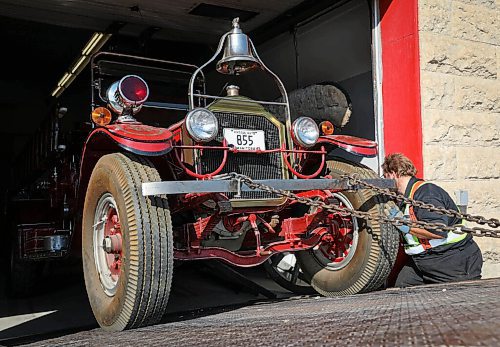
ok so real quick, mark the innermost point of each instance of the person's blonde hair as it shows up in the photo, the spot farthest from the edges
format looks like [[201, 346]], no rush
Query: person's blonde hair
[[399, 164]]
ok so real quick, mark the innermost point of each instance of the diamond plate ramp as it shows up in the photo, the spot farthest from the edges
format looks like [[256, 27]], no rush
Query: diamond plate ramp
[[459, 314]]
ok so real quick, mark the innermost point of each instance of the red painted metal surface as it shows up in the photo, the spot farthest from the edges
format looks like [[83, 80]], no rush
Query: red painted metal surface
[[137, 137], [284, 152], [112, 231], [338, 242], [298, 174], [258, 151], [207, 175], [140, 132], [332, 232], [243, 260], [176, 130], [351, 144], [401, 79]]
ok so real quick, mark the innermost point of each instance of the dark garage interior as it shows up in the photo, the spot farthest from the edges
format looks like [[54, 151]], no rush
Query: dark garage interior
[[303, 42]]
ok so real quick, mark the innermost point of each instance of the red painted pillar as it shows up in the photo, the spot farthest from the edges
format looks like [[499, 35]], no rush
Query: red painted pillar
[[401, 79]]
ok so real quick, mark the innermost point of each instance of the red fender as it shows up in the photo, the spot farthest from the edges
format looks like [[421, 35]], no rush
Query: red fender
[[120, 137], [133, 137], [137, 138], [351, 144]]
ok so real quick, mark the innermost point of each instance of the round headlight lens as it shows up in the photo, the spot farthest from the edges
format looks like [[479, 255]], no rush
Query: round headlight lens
[[202, 125], [305, 131]]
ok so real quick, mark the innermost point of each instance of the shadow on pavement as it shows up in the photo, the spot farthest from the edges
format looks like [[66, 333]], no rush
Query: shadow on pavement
[[61, 306]]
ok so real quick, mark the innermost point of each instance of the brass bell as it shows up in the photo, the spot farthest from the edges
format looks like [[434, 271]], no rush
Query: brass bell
[[238, 56]]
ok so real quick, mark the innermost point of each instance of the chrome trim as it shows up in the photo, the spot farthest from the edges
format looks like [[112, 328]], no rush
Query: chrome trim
[[126, 101], [231, 185], [296, 133], [118, 102], [250, 101], [281, 86], [190, 130]]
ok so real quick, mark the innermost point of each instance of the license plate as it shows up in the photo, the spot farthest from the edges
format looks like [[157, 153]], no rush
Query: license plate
[[245, 139]]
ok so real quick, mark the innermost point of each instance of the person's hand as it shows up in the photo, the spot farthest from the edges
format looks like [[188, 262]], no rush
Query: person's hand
[[393, 212]]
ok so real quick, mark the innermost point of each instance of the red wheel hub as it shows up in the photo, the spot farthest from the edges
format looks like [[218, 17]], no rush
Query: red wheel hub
[[112, 243], [338, 246]]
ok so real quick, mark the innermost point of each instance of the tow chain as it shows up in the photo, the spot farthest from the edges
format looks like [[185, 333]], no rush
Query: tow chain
[[477, 231], [492, 222], [344, 211]]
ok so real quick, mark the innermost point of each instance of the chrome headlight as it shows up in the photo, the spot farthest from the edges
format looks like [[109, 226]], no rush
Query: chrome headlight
[[202, 124], [305, 131]]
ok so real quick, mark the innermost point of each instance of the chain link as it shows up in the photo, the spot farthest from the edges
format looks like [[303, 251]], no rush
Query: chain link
[[492, 222], [344, 211]]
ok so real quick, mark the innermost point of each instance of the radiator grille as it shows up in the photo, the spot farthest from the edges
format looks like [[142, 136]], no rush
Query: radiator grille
[[256, 166]]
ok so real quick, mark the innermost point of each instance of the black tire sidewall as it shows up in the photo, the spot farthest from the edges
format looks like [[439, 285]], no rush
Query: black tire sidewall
[[324, 278], [106, 309], [358, 275]]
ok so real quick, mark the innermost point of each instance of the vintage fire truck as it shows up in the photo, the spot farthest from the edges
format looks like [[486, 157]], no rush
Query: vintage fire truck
[[198, 176]]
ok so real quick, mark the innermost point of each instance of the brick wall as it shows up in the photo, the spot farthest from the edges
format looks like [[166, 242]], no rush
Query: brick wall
[[460, 86]]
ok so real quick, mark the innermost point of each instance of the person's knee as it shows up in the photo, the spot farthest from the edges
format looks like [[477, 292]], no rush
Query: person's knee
[[474, 265], [408, 277]]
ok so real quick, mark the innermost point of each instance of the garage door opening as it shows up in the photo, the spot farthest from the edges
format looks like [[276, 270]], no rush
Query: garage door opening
[[332, 46]]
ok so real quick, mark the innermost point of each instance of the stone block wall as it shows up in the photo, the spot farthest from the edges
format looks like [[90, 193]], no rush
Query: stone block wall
[[460, 87]]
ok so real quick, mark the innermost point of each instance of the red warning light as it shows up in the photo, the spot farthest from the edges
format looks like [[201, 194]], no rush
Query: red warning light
[[134, 89]]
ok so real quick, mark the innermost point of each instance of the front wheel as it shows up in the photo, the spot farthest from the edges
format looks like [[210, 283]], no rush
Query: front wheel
[[360, 257], [127, 244]]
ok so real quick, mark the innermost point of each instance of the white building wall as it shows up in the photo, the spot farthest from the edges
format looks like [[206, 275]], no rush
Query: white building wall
[[460, 67]]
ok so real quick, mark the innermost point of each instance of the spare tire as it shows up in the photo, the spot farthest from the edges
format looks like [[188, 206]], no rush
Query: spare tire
[[371, 253]]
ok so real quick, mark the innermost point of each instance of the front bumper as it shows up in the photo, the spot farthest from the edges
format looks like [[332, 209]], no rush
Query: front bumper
[[236, 186]]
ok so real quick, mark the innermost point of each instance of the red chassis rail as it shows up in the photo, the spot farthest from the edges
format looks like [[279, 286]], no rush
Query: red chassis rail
[[199, 253], [298, 234]]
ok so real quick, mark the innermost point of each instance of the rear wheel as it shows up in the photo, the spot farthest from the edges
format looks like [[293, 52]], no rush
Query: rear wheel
[[361, 255], [127, 244]]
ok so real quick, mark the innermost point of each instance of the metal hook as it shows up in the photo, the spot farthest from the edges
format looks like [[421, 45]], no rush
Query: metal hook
[[238, 192]]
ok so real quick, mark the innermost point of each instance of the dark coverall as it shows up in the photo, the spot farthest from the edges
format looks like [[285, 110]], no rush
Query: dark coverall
[[458, 261]]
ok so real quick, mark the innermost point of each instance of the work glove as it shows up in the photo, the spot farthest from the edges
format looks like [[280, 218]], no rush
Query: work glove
[[393, 212]]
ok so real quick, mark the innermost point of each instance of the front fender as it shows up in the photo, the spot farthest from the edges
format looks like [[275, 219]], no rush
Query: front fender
[[355, 145], [137, 138], [134, 137]]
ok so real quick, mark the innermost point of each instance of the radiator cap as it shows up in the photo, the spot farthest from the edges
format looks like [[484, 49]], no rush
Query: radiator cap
[[232, 90]]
